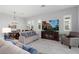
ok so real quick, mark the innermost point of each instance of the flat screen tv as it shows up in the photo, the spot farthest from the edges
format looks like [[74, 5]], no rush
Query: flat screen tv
[[52, 25]]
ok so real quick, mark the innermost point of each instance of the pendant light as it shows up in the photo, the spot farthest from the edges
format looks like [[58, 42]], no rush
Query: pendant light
[[14, 18]]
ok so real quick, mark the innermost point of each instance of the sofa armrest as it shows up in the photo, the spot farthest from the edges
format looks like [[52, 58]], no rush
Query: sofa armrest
[[21, 39]]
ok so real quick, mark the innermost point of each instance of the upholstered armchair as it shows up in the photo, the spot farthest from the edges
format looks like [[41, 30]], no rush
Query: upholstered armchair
[[71, 40]]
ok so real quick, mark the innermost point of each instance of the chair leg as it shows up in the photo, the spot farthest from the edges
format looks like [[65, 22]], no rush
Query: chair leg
[[69, 47], [61, 42], [78, 46]]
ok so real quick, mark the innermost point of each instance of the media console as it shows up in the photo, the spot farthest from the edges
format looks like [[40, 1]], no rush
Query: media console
[[50, 35]]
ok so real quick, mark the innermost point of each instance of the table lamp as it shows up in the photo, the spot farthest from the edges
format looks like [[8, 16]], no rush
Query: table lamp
[[5, 31]]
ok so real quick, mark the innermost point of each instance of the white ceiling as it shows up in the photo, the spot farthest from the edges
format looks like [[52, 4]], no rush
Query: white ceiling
[[30, 10]]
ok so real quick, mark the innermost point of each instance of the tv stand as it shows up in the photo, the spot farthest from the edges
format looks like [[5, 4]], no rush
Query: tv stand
[[50, 35]]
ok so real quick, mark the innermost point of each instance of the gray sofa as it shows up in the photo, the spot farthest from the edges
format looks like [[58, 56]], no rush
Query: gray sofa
[[6, 47], [27, 37], [71, 40]]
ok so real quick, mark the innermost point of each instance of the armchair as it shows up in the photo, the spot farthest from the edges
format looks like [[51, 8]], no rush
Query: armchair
[[71, 40]]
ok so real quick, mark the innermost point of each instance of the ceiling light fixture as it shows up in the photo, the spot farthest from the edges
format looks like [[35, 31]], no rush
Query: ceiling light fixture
[[43, 5], [14, 18]]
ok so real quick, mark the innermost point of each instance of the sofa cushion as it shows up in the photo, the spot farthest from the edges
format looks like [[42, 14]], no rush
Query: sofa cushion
[[2, 42], [9, 48], [28, 33], [30, 49], [73, 34]]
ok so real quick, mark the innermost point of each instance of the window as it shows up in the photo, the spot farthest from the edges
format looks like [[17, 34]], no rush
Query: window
[[67, 23]]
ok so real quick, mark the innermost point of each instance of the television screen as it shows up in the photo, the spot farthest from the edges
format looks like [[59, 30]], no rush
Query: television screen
[[51, 25], [54, 24]]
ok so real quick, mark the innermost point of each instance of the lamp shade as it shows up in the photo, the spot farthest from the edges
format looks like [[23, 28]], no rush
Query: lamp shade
[[6, 30]]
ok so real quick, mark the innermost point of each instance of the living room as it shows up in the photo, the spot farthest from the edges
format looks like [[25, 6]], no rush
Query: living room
[[41, 27]]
